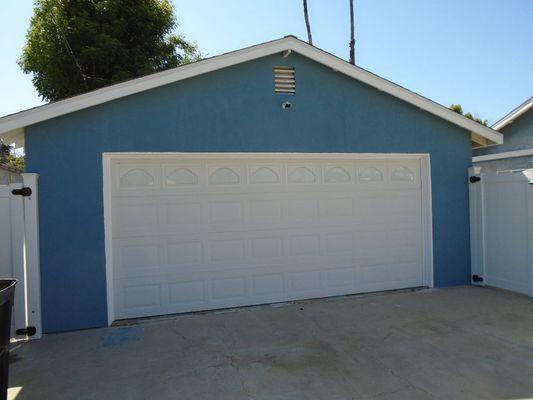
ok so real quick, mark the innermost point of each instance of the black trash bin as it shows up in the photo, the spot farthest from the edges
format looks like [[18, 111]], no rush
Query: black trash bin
[[7, 293]]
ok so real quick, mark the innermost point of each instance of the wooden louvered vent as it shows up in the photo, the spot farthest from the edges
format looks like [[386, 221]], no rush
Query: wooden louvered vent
[[284, 81]]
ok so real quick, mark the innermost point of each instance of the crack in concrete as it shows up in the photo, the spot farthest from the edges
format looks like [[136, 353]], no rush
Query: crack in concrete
[[233, 364], [181, 335], [402, 379]]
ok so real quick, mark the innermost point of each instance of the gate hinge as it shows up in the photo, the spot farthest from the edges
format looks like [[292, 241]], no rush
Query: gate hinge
[[477, 278], [24, 192], [474, 179], [28, 331]]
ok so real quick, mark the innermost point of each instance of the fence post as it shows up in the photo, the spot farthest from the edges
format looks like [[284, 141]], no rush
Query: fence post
[[33, 273], [16, 209], [477, 239], [530, 232]]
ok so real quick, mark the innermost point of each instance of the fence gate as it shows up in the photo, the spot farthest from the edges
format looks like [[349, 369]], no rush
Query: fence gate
[[19, 253], [501, 229]]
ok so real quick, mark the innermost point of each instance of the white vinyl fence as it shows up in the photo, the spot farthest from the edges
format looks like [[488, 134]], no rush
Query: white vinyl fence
[[501, 229], [19, 253]]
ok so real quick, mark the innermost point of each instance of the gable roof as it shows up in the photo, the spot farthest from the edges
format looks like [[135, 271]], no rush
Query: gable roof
[[517, 112], [13, 124]]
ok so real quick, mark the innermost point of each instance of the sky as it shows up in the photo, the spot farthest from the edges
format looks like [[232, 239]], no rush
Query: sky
[[478, 53]]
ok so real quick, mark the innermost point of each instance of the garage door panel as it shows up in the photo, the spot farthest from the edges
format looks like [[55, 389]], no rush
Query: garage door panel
[[386, 257], [226, 212], [304, 280], [265, 212], [226, 250], [142, 296], [187, 293], [228, 288], [185, 253], [405, 254], [340, 277], [136, 214], [389, 273], [140, 256], [136, 257], [406, 272], [140, 217], [304, 245], [339, 242], [266, 247], [268, 284], [337, 207], [201, 234], [405, 209], [144, 256], [186, 214], [193, 273], [406, 237]]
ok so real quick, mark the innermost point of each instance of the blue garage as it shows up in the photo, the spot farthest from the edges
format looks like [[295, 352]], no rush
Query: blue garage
[[273, 173]]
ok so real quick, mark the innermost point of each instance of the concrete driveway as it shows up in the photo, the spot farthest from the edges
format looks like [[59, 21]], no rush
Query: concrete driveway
[[457, 343]]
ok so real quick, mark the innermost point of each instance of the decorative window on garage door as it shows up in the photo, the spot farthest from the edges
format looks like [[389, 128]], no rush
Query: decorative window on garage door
[[301, 175], [224, 176], [136, 177], [336, 175], [402, 174], [370, 174], [181, 176], [264, 174]]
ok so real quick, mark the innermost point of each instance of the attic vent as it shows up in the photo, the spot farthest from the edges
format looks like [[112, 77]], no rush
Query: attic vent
[[284, 81]]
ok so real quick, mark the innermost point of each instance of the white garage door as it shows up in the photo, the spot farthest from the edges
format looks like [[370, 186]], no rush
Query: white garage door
[[195, 232]]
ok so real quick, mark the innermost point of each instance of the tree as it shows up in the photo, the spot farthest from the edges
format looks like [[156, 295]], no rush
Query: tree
[[307, 25], [459, 110], [74, 46], [352, 34], [9, 158], [5, 152]]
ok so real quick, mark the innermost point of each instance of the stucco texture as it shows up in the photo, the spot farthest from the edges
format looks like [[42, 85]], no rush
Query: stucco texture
[[516, 136], [229, 110]]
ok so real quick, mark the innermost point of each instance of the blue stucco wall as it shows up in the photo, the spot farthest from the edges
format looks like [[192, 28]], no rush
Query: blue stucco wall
[[234, 110], [516, 136]]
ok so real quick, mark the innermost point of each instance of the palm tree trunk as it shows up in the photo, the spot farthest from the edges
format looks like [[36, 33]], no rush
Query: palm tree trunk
[[352, 34], [306, 16]]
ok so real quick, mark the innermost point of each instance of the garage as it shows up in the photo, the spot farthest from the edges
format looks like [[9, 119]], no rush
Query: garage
[[193, 232], [268, 174]]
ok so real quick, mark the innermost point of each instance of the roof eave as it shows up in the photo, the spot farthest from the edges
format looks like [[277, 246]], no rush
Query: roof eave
[[513, 115], [42, 113]]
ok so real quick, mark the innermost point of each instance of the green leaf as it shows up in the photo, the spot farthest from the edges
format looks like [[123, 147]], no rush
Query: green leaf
[[74, 46]]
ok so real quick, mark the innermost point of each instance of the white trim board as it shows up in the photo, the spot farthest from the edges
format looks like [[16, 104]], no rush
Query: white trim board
[[427, 218], [214, 155], [506, 154], [106, 164], [517, 112], [52, 110]]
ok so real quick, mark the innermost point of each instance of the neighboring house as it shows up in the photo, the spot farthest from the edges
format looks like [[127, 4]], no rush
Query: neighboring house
[[272, 173], [9, 175], [517, 151]]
